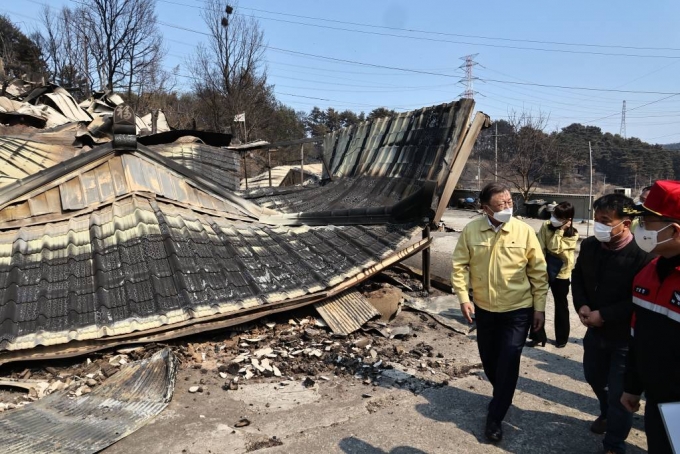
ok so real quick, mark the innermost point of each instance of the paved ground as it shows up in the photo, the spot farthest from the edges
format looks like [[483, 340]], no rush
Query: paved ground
[[553, 405]]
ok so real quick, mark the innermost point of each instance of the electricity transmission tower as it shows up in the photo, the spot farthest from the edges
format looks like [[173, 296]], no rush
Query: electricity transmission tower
[[470, 63], [623, 121]]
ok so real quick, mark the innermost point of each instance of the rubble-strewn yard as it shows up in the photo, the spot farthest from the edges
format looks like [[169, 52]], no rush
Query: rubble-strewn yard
[[421, 391]]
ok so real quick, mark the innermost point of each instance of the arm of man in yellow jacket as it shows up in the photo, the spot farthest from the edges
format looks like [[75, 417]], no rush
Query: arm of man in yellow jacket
[[460, 276], [537, 273]]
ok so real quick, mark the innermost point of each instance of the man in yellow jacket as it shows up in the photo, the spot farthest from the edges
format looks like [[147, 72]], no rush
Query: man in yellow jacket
[[502, 261]]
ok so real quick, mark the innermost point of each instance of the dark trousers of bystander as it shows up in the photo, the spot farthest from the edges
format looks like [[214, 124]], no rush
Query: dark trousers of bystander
[[560, 291], [604, 364], [500, 339], [657, 438]]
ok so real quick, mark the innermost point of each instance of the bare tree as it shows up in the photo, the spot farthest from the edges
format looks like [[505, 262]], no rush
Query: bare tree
[[123, 39], [64, 43], [528, 154], [231, 76]]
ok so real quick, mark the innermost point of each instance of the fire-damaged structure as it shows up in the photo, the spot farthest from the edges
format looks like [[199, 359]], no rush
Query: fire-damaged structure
[[128, 243]]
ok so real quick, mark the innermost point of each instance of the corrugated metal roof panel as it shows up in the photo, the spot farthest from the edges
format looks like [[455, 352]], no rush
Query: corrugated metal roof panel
[[379, 163], [218, 164], [346, 312], [65, 103], [89, 423], [45, 115]]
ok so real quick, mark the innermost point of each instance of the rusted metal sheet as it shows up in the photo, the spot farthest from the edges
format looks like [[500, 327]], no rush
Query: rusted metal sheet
[[124, 403], [346, 312]]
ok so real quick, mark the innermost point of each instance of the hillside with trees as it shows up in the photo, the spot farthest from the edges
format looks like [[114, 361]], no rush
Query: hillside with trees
[[531, 158]]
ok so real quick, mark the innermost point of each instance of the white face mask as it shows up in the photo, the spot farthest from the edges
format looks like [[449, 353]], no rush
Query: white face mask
[[503, 215], [603, 232], [647, 239], [556, 222]]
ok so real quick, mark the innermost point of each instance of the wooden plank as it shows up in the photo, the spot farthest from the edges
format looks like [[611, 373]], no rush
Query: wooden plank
[[88, 180], [71, 193], [459, 161], [53, 200], [120, 186], [104, 182], [38, 204], [14, 212]]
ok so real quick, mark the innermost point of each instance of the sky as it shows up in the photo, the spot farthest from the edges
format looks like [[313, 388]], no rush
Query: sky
[[574, 61]]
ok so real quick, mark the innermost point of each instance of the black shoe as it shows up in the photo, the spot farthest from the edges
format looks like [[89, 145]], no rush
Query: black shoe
[[599, 426], [561, 345], [493, 431], [535, 343]]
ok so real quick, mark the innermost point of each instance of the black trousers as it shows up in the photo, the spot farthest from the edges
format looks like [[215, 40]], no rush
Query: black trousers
[[657, 438], [604, 365], [500, 339], [560, 290]]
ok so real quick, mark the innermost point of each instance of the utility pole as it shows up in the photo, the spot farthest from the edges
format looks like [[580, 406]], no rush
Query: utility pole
[[479, 173], [225, 24], [495, 175], [622, 132], [302, 163], [269, 165], [470, 63], [245, 168], [590, 197], [559, 173], [559, 181]]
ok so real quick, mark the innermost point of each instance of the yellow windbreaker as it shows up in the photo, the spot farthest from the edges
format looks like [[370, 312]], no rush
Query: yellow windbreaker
[[506, 269], [554, 242]]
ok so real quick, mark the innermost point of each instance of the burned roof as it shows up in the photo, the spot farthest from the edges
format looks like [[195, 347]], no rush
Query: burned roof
[[114, 246], [378, 163]]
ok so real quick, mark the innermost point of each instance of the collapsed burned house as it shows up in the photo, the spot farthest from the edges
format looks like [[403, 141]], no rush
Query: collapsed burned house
[[129, 243]]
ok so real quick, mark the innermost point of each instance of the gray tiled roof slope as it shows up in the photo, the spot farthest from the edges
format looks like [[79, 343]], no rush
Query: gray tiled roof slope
[[139, 263]]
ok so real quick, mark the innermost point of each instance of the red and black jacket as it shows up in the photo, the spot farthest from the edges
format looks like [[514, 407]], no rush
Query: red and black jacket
[[653, 364]]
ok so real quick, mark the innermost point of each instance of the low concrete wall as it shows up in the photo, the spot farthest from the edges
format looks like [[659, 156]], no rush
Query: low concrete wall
[[581, 206]]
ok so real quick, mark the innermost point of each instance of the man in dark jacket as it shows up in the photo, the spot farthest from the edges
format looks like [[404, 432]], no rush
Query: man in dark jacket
[[602, 291], [653, 365]]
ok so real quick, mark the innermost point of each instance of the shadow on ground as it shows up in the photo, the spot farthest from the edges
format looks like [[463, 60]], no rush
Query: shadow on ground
[[353, 445], [525, 431]]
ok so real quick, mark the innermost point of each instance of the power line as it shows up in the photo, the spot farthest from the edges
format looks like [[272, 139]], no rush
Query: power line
[[431, 73], [453, 35], [635, 108]]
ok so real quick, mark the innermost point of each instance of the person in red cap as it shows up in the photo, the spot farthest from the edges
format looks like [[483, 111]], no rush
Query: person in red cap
[[653, 363]]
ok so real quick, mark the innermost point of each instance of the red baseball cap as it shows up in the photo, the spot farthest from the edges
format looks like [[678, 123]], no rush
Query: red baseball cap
[[663, 200]]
